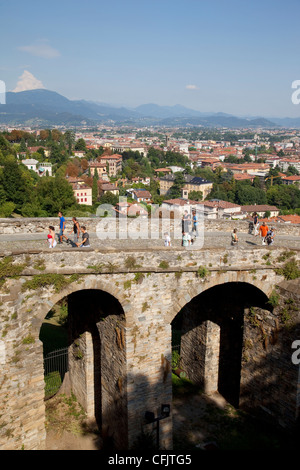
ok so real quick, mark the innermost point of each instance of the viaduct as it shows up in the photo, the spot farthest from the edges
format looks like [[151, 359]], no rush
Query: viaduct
[[237, 310]]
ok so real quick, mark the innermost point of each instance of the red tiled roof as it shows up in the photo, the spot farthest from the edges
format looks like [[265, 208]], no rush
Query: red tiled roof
[[292, 178]]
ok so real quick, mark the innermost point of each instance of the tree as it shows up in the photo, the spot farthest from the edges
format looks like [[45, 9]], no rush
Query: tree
[[23, 147], [179, 182], [80, 145], [196, 195], [54, 195], [13, 184], [95, 187]]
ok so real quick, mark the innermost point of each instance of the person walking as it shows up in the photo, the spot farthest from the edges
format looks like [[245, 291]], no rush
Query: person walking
[[51, 237], [75, 231], [255, 223], [263, 230], [195, 223], [62, 224]]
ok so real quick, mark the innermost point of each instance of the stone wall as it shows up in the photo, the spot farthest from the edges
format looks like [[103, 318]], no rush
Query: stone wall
[[40, 225], [270, 381], [149, 288]]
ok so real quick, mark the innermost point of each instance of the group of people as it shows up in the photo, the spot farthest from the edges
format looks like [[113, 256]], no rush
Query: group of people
[[85, 242], [189, 235], [267, 234]]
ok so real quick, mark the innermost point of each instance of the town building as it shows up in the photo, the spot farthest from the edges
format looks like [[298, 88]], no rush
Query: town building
[[192, 183], [113, 162], [108, 188], [82, 193], [40, 168], [293, 179], [260, 209], [142, 195], [100, 168]]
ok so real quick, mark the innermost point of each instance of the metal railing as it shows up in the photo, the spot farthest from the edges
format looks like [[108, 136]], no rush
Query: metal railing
[[55, 366]]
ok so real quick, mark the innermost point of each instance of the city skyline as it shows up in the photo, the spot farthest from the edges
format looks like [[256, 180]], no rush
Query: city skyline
[[215, 57]]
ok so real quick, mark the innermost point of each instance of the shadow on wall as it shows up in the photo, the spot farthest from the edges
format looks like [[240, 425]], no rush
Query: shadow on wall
[[211, 326], [255, 370]]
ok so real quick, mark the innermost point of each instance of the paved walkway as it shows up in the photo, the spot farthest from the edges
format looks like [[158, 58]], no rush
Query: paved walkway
[[11, 242]]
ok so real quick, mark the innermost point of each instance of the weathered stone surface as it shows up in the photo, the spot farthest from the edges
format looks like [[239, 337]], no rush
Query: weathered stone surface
[[132, 336]]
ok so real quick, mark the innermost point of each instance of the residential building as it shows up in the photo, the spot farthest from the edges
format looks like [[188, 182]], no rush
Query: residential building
[[142, 195], [108, 188], [40, 168], [100, 168], [294, 179], [82, 193], [260, 209], [217, 209], [113, 162], [128, 209], [192, 183]]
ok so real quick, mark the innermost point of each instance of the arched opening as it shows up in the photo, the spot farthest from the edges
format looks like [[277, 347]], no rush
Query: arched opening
[[210, 327], [94, 335]]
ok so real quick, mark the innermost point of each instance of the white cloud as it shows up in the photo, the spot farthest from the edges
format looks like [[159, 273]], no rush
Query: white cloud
[[192, 87], [41, 49], [27, 81]]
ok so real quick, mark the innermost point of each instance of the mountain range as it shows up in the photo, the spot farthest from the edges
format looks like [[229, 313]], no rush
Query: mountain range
[[44, 108]]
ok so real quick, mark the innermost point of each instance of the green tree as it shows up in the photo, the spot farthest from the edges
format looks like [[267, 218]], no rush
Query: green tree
[[179, 182], [13, 183], [95, 191], [54, 195], [80, 145]]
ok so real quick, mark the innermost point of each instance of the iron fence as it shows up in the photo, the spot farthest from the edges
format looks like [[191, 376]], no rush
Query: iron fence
[[55, 367]]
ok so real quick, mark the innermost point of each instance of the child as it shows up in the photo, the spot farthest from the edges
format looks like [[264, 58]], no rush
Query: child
[[167, 239]]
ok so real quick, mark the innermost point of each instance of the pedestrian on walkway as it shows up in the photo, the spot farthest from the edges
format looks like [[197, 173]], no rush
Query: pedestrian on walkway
[[85, 238], [62, 224], [270, 236], [51, 237], [75, 231], [186, 239], [195, 223], [234, 238], [263, 230], [167, 239], [186, 220], [255, 223]]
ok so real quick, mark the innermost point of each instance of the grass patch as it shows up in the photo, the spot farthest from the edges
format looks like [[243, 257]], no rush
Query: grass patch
[[183, 386]]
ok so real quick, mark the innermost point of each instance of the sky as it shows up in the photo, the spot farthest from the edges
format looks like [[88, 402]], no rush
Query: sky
[[238, 57]]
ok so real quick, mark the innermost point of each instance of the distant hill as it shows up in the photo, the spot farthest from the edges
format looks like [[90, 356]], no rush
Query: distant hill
[[48, 108]]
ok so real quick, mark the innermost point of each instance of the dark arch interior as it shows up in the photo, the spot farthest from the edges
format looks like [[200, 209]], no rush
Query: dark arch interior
[[223, 305], [100, 315]]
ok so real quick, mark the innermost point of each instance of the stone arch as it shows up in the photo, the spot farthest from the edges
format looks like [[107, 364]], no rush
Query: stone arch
[[86, 283], [211, 324], [98, 379], [186, 292]]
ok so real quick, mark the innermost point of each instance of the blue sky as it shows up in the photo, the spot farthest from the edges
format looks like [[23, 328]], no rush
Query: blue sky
[[238, 57]]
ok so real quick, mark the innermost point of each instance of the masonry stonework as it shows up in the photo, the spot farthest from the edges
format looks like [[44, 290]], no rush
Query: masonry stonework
[[125, 341]]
